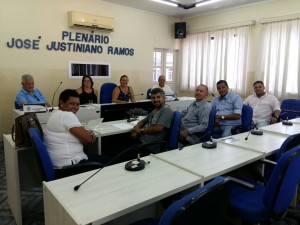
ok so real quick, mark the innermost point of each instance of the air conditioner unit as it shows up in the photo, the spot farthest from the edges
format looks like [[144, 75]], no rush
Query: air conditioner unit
[[78, 19]]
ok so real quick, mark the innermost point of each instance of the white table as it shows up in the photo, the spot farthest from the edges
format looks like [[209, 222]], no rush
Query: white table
[[210, 163], [268, 143], [296, 120], [282, 129], [108, 128], [111, 193]]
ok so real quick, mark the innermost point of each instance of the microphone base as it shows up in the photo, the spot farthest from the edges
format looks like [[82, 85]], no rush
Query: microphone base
[[135, 165], [209, 144], [256, 132], [287, 123]]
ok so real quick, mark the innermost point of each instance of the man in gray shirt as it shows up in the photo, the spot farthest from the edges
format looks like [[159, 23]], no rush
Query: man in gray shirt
[[194, 119]]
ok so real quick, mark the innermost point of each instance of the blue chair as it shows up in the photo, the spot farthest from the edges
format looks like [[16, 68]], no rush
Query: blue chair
[[291, 142], [106, 92], [206, 205], [49, 173], [247, 114], [174, 131], [290, 109], [148, 95], [210, 127], [269, 202]]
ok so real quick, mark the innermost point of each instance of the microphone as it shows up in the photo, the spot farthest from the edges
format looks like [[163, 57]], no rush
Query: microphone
[[176, 99], [254, 130], [136, 164], [107, 164], [209, 144], [54, 96], [139, 94], [287, 122]]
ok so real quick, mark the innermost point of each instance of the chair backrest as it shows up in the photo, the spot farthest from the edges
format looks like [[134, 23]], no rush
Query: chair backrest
[[17, 105], [148, 95], [210, 127], [174, 131], [247, 114], [206, 205], [289, 143], [283, 183], [106, 92], [290, 108], [47, 165]]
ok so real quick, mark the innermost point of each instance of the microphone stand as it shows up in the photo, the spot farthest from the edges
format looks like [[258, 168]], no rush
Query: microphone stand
[[54, 96], [287, 122]]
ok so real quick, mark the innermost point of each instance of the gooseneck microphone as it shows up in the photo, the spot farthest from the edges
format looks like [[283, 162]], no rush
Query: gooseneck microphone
[[54, 96], [107, 164]]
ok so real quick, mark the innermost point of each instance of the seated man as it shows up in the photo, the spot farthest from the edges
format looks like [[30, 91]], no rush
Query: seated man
[[263, 105], [155, 127], [194, 119], [229, 109], [65, 136], [162, 84], [29, 94]]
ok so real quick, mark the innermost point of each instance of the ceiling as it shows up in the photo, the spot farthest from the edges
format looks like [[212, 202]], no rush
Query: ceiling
[[162, 9]]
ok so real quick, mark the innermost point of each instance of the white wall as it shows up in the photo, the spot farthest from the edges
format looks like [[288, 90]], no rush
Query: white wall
[[30, 19]]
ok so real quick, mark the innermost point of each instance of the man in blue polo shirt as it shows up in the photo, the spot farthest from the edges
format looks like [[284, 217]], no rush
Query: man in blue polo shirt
[[228, 109], [29, 94]]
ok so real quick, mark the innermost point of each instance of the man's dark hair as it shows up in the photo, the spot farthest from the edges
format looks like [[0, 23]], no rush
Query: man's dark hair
[[66, 94], [158, 91], [258, 82], [221, 82]]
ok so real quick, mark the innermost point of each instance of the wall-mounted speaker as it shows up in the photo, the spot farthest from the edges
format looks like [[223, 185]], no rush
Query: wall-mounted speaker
[[180, 30]]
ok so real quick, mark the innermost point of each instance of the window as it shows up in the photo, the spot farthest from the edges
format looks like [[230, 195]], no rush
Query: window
[[96, 70], [164, 64], [208, 57], [279, 65]]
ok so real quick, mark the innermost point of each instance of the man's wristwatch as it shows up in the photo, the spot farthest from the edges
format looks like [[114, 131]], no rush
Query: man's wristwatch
[[223, 117]]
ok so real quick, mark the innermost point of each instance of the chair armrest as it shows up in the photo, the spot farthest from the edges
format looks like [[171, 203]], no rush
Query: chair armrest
[[241, 182], [236, 129]]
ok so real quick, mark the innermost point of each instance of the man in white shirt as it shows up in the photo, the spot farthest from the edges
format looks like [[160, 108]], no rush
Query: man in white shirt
[[264, 105], [162, 85]]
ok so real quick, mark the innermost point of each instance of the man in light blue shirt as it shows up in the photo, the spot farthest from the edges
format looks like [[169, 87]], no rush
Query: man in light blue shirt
[[29, 94], [194, 119], [228, 109]]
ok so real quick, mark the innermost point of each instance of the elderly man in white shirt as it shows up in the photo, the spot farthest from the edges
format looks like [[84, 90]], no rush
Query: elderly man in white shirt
[[162, 85], [264, 105]]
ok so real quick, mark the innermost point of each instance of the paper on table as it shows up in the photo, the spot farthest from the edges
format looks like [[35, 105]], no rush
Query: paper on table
[[123, 126]]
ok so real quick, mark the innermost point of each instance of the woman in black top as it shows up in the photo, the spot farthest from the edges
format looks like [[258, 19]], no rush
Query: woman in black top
[[123, 93], [86, 91]]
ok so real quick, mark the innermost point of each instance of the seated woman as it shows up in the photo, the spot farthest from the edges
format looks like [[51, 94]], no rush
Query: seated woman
[[123, 93], [86, 91], [64, 135]]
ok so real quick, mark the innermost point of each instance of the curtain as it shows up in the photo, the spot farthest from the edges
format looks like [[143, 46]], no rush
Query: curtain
[[216, 55], [279, 59]]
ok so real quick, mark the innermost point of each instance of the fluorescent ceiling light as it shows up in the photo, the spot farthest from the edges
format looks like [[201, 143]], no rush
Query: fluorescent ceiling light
[[207, 3], [166, 3]]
